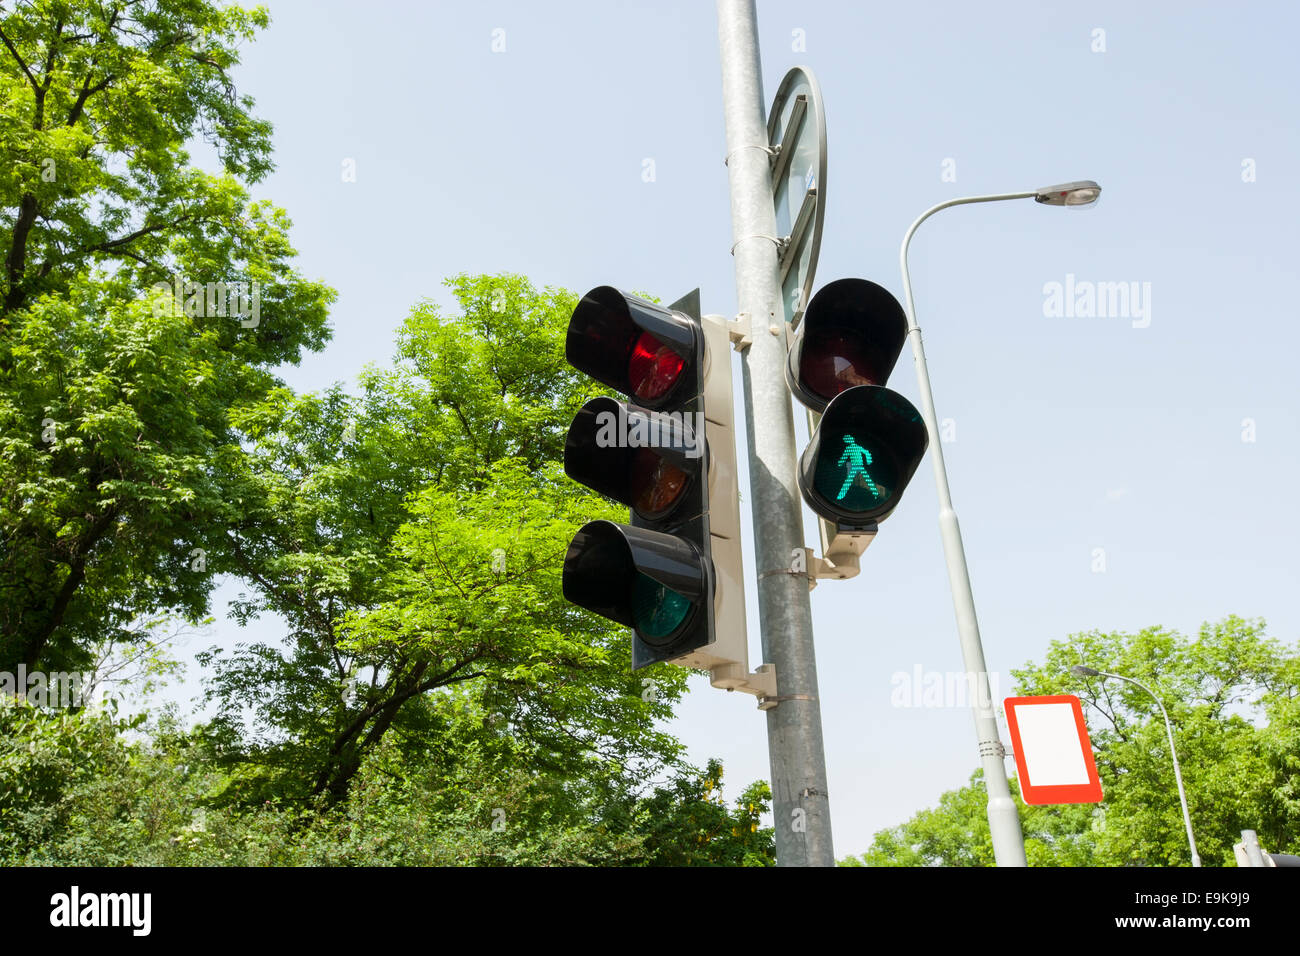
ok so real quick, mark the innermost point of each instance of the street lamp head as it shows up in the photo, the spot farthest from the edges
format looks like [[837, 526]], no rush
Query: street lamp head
[[1080, 671], [1081, 193]]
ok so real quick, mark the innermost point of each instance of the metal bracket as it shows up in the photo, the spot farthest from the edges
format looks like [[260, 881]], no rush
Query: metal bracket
[[770, 150], [843, 548], [739, 331], [839, 564], [761, 683], [803, 562], [788, 247], [783, 151]]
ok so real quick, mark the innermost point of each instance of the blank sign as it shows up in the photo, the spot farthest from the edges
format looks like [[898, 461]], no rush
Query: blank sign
[[1053, 754], [1050, 743]]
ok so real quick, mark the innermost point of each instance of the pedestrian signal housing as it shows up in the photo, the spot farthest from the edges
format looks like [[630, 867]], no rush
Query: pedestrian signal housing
[[869, 439]]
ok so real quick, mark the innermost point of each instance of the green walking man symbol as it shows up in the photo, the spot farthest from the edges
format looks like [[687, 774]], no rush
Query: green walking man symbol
[[857, 458]]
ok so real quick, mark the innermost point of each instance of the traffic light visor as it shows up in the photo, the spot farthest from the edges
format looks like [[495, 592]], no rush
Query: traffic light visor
[[641, 349], [645, 460], [643, 579], [851, 335], [864, 453]]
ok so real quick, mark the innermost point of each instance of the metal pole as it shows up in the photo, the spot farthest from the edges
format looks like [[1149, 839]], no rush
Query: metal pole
[[794, 728], [1253, 853], [1004, 820], [1178, 774]]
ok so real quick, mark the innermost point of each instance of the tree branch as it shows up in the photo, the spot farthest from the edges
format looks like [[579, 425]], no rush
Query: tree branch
[[36, 87], [87, 91]]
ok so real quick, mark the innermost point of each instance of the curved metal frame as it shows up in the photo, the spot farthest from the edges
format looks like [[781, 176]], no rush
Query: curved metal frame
[[817, 113]]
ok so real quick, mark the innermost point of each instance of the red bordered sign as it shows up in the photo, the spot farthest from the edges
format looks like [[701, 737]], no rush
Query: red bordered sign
[[1053, 753]]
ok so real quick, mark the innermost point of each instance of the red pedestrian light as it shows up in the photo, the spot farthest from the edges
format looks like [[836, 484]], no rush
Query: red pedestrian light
[[852, 338], [835, 359]]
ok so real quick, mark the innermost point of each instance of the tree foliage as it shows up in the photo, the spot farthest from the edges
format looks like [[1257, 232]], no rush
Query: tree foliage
[[118, 459], [412, 538], [75, 792], [1231, 694], [433, 699]]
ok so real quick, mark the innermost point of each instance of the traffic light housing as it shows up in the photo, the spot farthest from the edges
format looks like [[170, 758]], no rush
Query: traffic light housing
[[673, 572], [651, 354], [869, 439]]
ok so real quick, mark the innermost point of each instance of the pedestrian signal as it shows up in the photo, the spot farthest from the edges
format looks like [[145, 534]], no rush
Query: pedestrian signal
[[869, 440]]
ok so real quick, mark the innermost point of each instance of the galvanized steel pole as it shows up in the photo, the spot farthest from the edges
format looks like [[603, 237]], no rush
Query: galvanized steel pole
[[800, 804]]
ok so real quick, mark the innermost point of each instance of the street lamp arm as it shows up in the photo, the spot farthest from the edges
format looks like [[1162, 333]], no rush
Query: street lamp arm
[[907, 238], [918, 349], [1137, 683]]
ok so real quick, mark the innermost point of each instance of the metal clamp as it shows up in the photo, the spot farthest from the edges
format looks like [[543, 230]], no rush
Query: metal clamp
[[757, 235], [796, 573], [770, 703], [771, 152]]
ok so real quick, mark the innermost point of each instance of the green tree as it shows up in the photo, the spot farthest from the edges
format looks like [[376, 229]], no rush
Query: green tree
[[689, 824], [74, 792], [119, 466], [1231, 694], [412, 537], [956, 833]]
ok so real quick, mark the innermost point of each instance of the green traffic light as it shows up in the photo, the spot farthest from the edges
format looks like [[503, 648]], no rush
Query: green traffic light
[[657, 610], [850, 475], [856, 458]]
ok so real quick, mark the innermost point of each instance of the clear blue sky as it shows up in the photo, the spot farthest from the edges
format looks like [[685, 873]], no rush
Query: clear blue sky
[[1072, 434]]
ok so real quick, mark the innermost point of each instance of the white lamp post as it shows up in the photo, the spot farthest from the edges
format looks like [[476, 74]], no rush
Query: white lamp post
[[1004, 820]]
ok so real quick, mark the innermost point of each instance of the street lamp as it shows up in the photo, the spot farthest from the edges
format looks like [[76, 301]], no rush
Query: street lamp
[[1004, 821], [1080, 671], [1081, 193]]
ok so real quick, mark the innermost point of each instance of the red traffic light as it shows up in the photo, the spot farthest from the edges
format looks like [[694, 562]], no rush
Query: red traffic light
[[653, 369], [641, 349]]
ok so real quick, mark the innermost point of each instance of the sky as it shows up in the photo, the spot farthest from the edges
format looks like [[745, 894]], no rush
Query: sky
[[1110, 472]]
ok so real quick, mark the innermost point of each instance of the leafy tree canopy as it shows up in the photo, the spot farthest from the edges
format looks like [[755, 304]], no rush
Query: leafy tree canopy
[[118, 457], [412, 536], [1233, 696]]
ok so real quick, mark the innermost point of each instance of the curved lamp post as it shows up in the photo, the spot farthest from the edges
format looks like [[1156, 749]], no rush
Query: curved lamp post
[[1004, 820], [1081, 671]]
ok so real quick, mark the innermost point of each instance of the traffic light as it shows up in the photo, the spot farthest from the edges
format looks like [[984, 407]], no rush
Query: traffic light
[[869, 439], [673, 573]]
